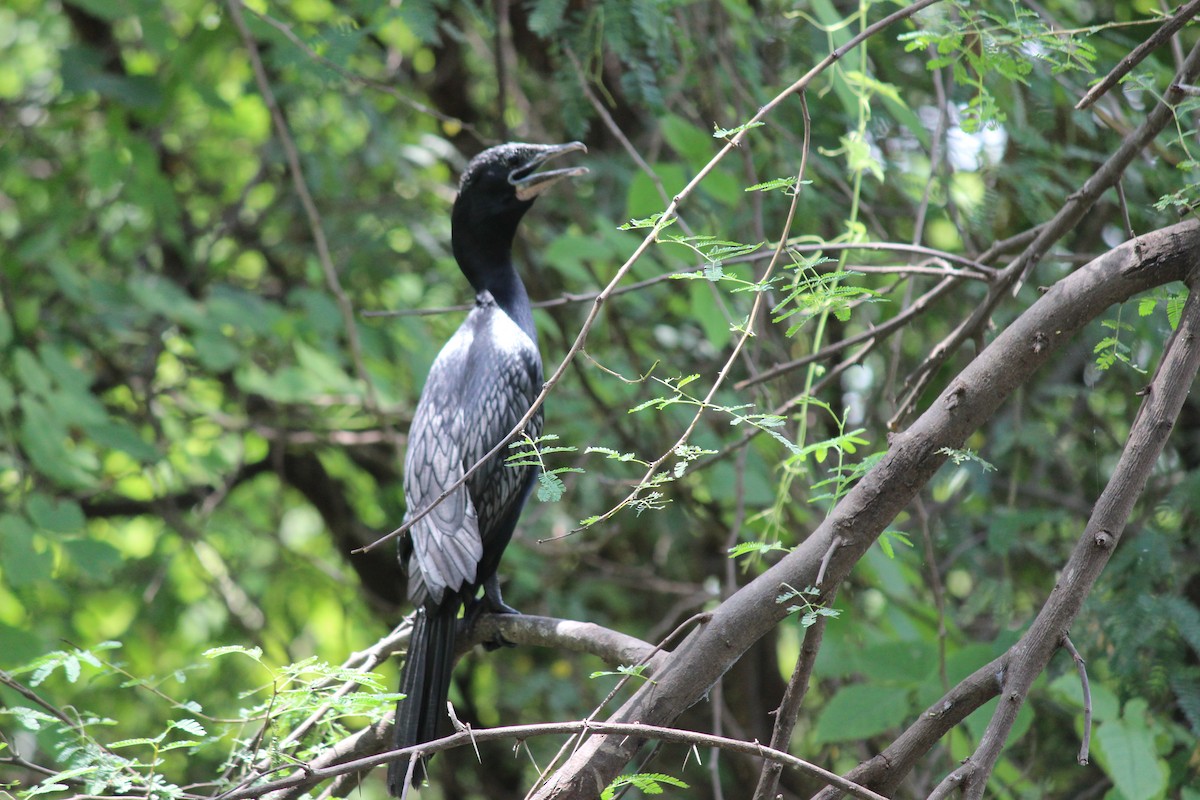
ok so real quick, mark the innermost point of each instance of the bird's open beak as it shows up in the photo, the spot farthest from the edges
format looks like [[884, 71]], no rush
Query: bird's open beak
[[528, 184]]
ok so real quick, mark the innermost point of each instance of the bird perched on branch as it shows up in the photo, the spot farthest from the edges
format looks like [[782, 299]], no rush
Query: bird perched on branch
[[480, 386]]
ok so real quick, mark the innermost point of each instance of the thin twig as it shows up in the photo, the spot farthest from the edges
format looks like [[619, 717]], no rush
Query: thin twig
[[574, 742], [1152, 43], [747, 332], [789, 706], [312, 776], [1081, 666], [373, 83], [614, 128], [874, 332], [365, 661], [975, 271], [834, 544], [32, 696], [315, 224]]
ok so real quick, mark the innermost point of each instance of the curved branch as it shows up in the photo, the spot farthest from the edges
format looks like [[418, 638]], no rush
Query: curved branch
[[1073, 210], [613, 647], [1139, 53], [914, 456], [1147, 437], [311, 774]]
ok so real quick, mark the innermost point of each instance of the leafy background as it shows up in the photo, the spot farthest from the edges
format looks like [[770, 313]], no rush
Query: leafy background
[[200, 422]]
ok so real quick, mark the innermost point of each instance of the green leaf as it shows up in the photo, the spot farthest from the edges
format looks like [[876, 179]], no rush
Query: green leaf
[[691, 143], [30, 373], [633, 671], [44, 438], [165, 298], [787, 184], [644, 203], [860, 711], [550, 488], [651, 221], [325, 371], [116, 434], [29, 718], [547, 17], [25, 563], [1125, 748], [179, 745], [860, 157], [137, 742], [887, 537], [96, 560], [215, 351], [8, 397], [71, 669], [54, 516], [758, 548], [1175, 302], [613, 454], [254, 653], [646, 783], [729, 133], [60, 781], [191, 726]]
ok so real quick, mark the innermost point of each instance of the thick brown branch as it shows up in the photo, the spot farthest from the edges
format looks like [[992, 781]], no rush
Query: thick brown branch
[[613, 647], [1063, 222], [1148, 436], [970, 400]]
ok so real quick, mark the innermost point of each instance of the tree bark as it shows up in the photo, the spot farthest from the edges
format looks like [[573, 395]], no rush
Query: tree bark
[[686, 674]]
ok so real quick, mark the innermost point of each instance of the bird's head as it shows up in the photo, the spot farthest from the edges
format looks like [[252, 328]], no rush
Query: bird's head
[[498, 187], [508, 172]]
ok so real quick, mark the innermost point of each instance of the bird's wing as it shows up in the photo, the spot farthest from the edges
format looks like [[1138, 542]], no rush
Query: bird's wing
[[479, 387], [501, 395], [445, 542]]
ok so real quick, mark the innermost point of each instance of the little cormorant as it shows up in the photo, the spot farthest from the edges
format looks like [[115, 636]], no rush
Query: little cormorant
[[480, 385]]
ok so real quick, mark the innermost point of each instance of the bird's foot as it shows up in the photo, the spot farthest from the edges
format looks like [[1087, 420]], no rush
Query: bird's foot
[[492, 598], [491, 603]]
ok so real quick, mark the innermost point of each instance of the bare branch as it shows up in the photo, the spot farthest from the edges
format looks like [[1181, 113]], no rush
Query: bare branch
[[292, 155], [1081, 667], [886, 771], [1147, 437], [913, 458], [1047, 234], [1135, 56], [310, 775], [789, 706]]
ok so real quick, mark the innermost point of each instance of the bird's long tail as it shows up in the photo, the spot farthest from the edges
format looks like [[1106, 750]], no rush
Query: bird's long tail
[[425, 682]]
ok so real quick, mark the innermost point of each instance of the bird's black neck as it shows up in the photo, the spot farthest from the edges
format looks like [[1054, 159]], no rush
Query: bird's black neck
[[506, 289], [485, 257]]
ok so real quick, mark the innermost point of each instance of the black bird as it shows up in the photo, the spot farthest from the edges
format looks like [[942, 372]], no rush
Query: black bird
[[481, 384]]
